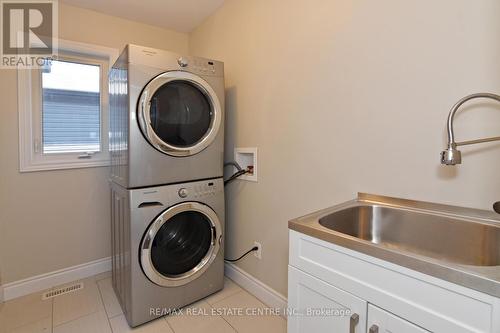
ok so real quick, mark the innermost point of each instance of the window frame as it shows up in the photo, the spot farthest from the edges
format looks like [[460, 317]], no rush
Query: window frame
[[31, 155]]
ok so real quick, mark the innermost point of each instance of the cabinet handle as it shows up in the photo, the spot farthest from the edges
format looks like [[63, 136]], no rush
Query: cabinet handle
[[353, 322], [373, 329]]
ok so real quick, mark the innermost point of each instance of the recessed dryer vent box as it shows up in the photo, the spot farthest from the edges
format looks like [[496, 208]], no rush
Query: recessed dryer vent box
[[246, 157]]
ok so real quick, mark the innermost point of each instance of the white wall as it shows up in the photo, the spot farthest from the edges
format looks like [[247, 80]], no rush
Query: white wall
[[339, 96], [342, 96], [57, 219]]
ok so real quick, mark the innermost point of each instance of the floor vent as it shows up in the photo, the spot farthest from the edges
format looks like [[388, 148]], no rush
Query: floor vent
[[62, 291]]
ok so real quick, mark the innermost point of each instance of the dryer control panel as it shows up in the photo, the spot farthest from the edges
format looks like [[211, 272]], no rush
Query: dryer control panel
[[141, 55], [197, 65], [199, 189]]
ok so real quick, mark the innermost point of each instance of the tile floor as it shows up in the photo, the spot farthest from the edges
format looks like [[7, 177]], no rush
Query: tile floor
[[95, 309]]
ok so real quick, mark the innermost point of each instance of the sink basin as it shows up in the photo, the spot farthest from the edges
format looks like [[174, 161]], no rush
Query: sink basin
[[456, 244], [442, 237]]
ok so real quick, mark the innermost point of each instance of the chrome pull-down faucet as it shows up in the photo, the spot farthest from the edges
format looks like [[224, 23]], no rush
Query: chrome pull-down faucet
[[452, 156]]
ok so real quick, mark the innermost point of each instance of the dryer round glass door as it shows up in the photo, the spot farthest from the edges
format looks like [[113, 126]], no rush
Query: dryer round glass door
[[179, 113], [180, 244]]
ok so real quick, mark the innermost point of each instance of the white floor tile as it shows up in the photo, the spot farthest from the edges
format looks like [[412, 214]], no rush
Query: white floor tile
[[119, 325], [109, 299], [25, 312], [96, 322], [87, 311], [249, 319], [77, 304], [198, 318], [39, 326], [230, 288]]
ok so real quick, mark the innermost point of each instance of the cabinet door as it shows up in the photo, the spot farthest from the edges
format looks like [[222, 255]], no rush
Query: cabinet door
[[381, 321], [316, 306]]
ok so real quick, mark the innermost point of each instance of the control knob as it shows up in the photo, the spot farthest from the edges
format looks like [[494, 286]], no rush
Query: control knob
[[182, 62], [183, 192]]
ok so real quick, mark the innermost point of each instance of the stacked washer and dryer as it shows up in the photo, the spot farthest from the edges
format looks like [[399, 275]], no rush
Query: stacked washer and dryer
[[167, 191]]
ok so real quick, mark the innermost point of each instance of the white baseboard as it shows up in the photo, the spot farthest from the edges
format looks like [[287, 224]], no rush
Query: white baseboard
[[262, 291], [48, 280], [15, 289]]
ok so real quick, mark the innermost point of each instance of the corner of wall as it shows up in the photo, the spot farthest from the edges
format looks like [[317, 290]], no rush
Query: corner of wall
[[1, 288]]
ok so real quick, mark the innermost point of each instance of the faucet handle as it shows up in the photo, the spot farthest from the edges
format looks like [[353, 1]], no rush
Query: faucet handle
[[496, 207]]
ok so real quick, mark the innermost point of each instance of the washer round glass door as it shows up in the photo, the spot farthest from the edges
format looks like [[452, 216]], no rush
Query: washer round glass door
[[179, 113], [180, 244]]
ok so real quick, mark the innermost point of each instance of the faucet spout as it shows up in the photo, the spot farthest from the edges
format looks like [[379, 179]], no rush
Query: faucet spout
[[453, 156]]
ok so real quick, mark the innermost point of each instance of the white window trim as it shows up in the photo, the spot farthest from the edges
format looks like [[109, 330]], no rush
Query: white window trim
[[29, 160]]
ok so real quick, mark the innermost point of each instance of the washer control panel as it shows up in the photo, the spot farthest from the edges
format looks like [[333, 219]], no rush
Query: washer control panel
[[163, 196], [201, 189]]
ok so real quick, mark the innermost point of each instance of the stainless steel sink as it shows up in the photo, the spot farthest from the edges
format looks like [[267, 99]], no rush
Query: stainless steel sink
[[437, 236], [460, 245]]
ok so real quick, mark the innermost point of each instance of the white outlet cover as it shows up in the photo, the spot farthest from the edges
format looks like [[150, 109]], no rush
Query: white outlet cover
[[258, 253], [245, 157]]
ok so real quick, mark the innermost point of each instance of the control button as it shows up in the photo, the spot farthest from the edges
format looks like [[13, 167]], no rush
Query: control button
[[183, 192], [182, 62]]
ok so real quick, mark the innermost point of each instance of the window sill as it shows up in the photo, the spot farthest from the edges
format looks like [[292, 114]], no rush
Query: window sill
[[33, 167]]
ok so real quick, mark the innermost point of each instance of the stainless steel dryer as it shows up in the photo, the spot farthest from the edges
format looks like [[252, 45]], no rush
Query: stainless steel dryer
[[166, 118], [167, 246]]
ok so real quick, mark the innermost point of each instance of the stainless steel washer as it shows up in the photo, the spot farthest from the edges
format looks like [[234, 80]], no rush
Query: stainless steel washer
[[166, 118], [174, 223], [167, 246]]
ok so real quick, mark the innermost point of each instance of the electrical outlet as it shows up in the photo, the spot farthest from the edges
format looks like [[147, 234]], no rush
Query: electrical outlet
[[258, 253]]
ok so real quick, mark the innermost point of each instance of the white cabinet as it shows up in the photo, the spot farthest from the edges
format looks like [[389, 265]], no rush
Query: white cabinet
[[320, 307], [324, 277], [380, 321]]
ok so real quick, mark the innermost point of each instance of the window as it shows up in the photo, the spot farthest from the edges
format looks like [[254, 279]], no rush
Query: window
[[71, 108], [63, 110]]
